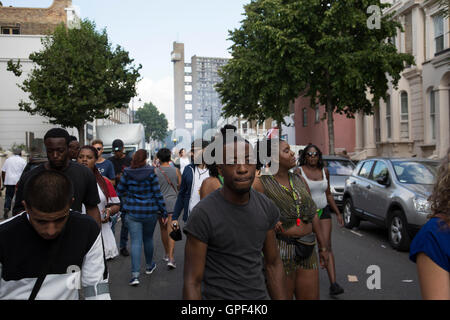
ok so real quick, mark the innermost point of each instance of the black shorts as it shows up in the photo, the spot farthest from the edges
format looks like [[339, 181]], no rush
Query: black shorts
[[326, 214]]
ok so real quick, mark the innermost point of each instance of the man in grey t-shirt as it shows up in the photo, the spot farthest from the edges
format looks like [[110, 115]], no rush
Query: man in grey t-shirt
[[226, 233]]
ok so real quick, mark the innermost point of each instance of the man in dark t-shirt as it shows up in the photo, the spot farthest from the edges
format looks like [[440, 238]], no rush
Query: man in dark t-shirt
[[83, 180], [226, 234], [120, 162]]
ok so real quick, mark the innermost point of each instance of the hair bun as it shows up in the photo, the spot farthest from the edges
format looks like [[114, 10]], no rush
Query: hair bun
[[228, 127]]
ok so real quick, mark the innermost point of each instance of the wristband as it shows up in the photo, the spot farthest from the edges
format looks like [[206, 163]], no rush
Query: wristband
[[323, 250]]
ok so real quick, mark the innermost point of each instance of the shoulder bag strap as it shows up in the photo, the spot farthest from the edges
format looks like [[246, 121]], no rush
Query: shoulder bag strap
[[168, 180], [37, 287], [41, 278]]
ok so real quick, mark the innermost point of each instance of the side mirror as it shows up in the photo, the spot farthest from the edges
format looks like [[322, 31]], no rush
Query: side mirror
[[383, 180]]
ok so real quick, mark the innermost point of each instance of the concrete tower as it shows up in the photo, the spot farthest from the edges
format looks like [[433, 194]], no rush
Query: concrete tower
[[179, 101]]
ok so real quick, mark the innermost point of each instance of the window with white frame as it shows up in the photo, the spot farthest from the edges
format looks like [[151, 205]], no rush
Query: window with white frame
[[438, 33], [404, 116], [433, 114], [317, 114], [388, 117]]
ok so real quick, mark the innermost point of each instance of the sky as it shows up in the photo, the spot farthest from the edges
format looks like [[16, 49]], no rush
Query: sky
[[147, 30]]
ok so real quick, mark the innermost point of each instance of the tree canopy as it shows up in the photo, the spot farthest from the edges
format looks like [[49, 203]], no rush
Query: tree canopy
[[154, 122], [78, 77], [322, 49]]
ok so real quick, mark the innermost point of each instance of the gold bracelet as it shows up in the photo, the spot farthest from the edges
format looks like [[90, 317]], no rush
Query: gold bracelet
[[323, 250]]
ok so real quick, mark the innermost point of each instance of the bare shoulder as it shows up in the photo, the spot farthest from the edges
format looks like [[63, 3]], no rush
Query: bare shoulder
[[211, 181], [257, 185], [208, 186]]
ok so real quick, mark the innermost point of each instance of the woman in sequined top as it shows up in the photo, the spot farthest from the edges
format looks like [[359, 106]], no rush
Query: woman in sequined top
[[299, 221]]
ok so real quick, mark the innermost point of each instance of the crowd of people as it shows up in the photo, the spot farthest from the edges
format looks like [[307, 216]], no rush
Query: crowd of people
[[250, 233]]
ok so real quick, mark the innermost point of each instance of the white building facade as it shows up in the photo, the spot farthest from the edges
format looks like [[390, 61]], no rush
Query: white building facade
[[15, 123], [414, 120]]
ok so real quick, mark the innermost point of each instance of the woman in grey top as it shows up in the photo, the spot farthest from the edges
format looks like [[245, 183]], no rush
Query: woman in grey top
[[169, 180]]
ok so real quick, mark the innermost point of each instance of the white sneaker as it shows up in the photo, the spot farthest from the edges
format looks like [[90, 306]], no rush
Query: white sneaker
[[134, 282], [171, 264], [166, 259]]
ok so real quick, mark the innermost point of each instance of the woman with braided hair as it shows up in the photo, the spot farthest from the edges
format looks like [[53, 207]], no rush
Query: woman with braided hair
[[109, 202], [298, 223]]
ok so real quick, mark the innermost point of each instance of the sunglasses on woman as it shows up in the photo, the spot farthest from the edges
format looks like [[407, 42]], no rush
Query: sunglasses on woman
[[312, 154]]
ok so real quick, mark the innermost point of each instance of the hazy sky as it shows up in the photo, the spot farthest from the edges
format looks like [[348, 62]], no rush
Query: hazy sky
[[148, 28]]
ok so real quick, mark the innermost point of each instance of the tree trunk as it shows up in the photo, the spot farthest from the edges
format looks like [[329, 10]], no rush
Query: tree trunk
[[81, 135], [330, 120], [280, 128]]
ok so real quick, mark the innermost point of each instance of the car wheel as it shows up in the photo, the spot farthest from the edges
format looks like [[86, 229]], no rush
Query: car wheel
[[350, 219], [398, 231]]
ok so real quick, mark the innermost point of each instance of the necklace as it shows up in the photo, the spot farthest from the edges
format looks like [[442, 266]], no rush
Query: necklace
[[295, 196], [201, 173]]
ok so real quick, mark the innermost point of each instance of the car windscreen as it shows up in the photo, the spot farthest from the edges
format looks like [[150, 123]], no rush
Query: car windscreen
[[129, 152], [414, 172], [339, 167]]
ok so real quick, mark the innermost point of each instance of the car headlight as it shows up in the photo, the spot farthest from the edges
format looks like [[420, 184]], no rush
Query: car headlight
[[422, 205]]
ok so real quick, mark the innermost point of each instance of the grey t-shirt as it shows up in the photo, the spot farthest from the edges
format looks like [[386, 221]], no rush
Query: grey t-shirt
[[235, 235], [169, 193]]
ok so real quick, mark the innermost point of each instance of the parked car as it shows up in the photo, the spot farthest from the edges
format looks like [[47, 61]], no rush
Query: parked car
[[340, 169], [391, 193]]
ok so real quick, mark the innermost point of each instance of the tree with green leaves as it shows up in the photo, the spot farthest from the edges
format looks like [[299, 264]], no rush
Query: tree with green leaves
[[78, 77], [321, 49], [154, 122]]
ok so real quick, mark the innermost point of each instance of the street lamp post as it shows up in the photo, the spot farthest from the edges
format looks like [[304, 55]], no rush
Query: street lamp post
[[132, 108]]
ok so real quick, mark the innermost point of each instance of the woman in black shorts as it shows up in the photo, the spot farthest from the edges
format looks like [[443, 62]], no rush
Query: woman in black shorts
[[317, 176]]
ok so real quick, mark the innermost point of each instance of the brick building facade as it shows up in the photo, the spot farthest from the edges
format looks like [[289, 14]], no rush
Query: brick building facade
[[312, 127], [33, 21]]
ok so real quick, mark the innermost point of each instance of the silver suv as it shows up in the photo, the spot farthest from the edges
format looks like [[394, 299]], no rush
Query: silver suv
[[340, 169], [391, 193]]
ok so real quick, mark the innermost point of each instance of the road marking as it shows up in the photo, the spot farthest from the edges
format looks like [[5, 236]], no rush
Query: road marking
[[358, 234], [407, 281], [352, 278]]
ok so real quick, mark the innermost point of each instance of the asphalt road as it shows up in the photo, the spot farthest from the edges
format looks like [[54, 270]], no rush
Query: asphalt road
[[355, 251]]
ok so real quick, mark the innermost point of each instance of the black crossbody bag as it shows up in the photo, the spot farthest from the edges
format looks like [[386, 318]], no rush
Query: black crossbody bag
[[302, 251]]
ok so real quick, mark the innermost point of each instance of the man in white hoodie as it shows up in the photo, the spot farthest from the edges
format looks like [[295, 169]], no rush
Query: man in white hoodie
[[50, 251]]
